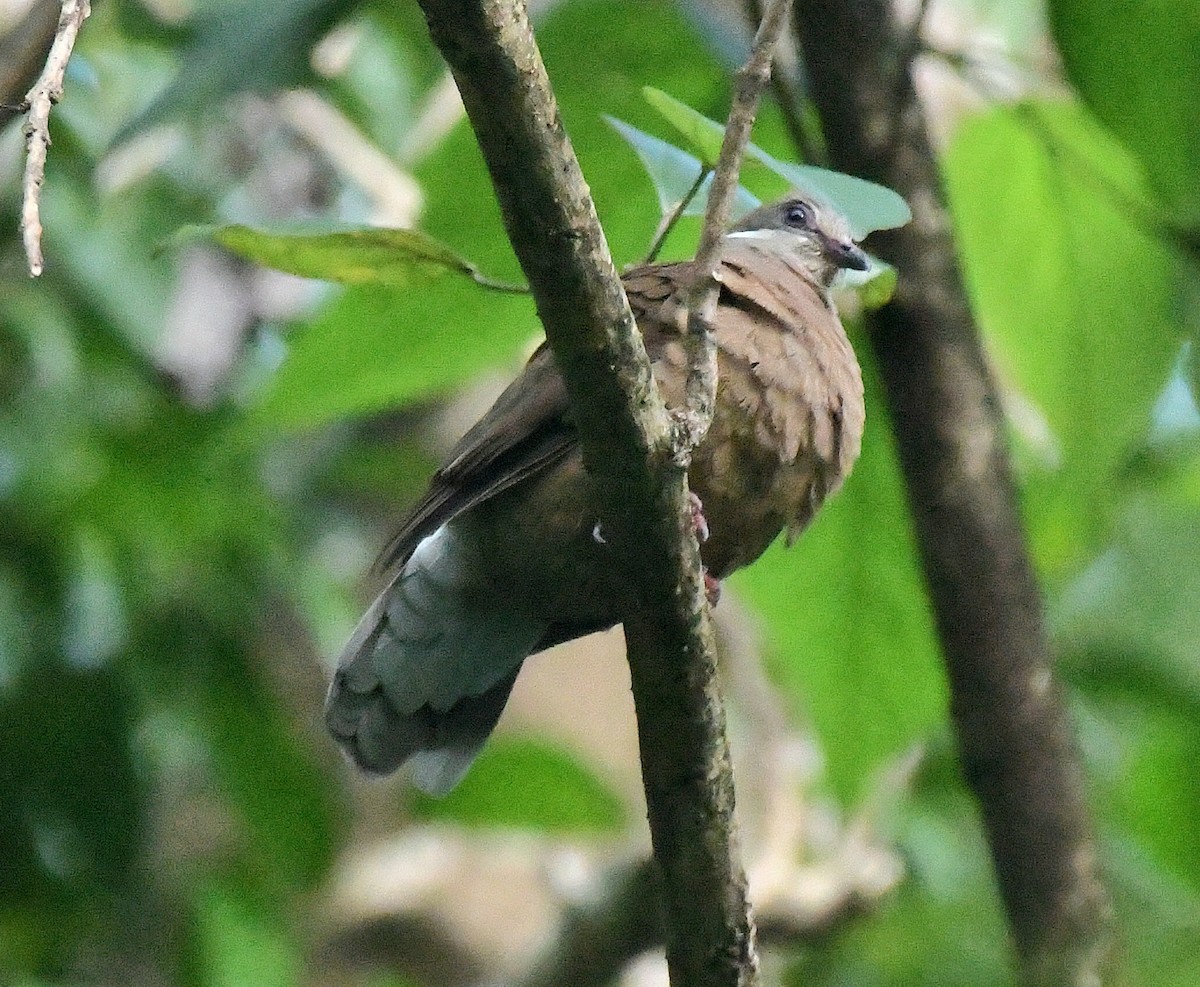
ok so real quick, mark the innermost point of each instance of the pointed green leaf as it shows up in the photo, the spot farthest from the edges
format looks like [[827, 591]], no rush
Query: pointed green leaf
[[673, 172], [366, 256], [703, 134], [866, 206]]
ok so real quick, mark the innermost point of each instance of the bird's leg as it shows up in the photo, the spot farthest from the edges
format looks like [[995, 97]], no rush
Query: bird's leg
[[712, 588]]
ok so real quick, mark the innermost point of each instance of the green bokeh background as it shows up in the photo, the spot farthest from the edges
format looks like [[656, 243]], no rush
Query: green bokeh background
[[172, 569]]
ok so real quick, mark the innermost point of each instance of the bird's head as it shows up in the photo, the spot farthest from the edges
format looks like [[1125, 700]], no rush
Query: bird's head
[[817, 234]]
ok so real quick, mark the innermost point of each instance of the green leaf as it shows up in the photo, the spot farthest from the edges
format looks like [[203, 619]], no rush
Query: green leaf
[[1137, 66], [866, 206], [849, 635], [875, 286], [1135, 611], [365, 256], [528, 784], [703, 134], [673, 173], [373, 348], [72, 801], [1076, 300], [948, 887]]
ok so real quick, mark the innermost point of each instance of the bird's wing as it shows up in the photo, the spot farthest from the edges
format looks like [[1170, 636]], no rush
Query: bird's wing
[[526, 430]]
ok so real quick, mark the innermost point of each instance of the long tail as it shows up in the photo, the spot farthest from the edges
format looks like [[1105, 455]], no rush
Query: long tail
[[427, 671]]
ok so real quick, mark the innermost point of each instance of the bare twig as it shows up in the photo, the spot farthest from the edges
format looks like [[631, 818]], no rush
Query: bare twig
[[1012, 728], [45, 93], [668, 221], [804, 134], [626, 437], [701, 387]]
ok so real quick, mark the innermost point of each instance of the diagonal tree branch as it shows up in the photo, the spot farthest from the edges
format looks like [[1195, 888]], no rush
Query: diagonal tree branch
[[1012, 728], [701, 387], [629, 446]]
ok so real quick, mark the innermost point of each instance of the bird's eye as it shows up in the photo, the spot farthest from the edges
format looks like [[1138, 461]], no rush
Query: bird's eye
[[798, 214]]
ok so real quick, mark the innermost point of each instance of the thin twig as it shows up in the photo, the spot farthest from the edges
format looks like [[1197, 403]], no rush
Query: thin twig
[[700, 390], [668, 222], [45, 93], [805, 136]]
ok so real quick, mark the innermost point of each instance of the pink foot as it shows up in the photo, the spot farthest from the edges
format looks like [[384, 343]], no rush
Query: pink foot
[[699, 521], [712, 588]]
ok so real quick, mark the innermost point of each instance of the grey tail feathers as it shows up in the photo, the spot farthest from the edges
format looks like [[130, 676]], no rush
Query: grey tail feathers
[[425, 675]]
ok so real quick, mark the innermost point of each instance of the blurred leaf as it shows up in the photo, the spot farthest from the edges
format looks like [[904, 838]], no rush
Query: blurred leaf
[[866, 206], [269, 777], [239, 944], [1076, 301], [390, 67], [1158, 915], [71, 802], [242, 47], [1137, 606], [949, 887], [875, 286], [373, 348], [113, 235], [1162, 760], [1137, 66], [528, 784], [96, 626], [367, 256], [872, 685]]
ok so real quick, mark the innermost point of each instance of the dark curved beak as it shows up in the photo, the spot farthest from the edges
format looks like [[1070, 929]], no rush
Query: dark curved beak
[[847, 255]]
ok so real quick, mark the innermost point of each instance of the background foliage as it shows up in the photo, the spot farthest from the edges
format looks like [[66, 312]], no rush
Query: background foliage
[[183, 539]]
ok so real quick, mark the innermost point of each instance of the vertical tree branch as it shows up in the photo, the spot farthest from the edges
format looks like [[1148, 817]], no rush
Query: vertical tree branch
[[627, 441], [45, 93], [1012, 729]]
